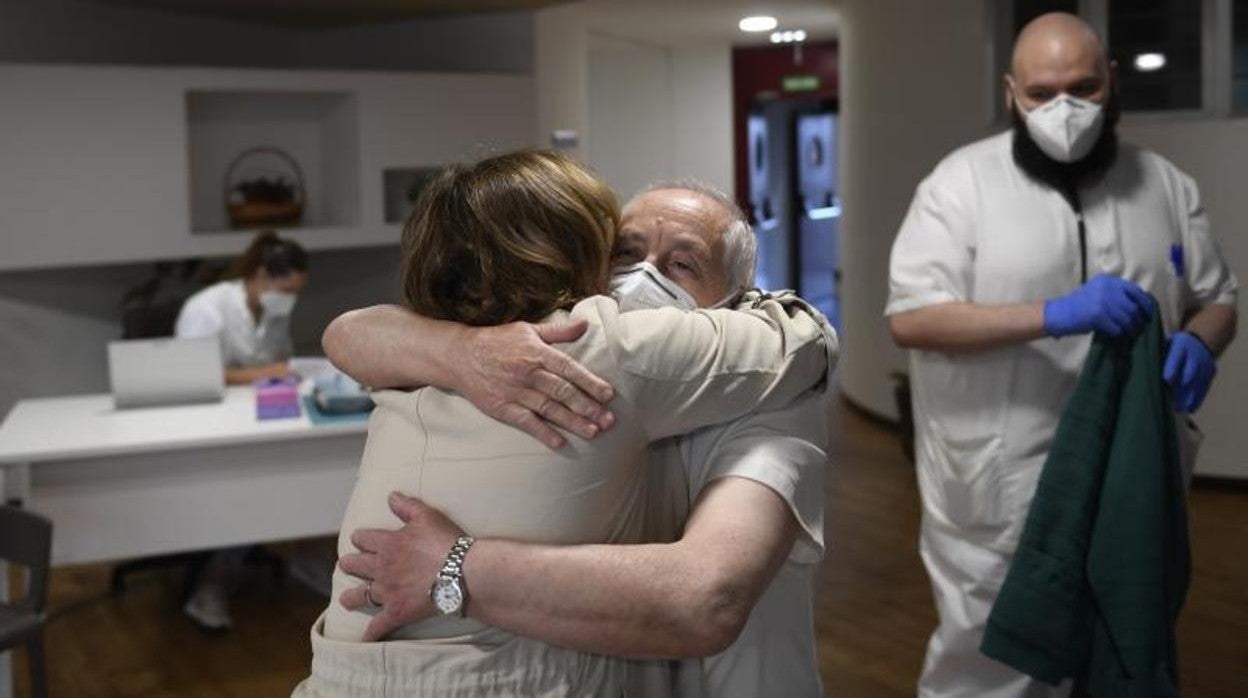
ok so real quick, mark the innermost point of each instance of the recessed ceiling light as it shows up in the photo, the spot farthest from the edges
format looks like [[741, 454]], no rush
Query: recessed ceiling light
[[799, 35], [776, 37], [1148, 62], [762, 23]]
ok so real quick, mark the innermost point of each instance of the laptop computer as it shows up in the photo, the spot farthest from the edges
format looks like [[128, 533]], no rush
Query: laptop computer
[[166, 371]]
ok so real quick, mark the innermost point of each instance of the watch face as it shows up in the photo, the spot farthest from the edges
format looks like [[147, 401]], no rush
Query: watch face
[[447, 596]]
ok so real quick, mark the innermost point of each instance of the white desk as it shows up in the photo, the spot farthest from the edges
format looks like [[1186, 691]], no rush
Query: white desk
[[128, 483]]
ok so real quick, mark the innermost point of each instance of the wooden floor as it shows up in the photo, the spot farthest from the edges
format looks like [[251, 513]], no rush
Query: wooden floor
[[874, 609]]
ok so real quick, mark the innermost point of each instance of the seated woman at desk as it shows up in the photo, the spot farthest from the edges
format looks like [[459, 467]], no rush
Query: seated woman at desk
[[250, 309], [528, 236], [250, 312]]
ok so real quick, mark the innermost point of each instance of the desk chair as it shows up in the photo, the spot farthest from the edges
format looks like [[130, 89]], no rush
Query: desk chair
[[26, 540]]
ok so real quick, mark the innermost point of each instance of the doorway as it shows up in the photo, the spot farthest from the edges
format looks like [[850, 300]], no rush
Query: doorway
[[788, 178]]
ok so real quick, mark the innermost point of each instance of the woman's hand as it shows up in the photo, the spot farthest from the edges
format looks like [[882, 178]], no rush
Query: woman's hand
[[511, 373], [246, 376], [401, 566]]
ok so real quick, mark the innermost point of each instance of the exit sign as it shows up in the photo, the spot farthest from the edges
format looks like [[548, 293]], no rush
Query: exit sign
[[800, 83]]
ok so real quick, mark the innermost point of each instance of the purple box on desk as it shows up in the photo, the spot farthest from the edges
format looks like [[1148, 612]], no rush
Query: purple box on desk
[[277, 398]]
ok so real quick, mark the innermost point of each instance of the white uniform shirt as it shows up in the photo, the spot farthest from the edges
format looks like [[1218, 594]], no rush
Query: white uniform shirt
[[221, 310], [786, 451], [980, 230]]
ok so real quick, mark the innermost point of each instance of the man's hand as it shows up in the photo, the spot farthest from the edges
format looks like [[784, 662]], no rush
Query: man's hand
[[1106, 304], [402, 565], [1189, 370], [511, 373]]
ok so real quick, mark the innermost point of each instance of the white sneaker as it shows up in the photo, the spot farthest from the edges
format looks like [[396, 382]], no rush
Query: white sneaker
[[209, 608]]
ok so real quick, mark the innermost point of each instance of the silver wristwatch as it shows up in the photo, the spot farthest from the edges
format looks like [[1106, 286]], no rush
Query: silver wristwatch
[[448, 592]]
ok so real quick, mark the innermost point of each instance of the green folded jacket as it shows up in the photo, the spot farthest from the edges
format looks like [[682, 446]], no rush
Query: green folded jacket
[[1102, 566]]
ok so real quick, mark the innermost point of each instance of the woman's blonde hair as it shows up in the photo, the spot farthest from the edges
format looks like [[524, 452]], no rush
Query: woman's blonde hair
[[513, 237]]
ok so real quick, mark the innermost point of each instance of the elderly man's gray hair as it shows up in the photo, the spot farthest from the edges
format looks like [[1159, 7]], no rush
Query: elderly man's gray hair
[[740, 246]]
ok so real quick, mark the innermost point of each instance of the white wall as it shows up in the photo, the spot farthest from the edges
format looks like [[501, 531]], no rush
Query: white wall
[[702, 83], [96, 157], [916, 83], [54, 322], [632, 112], [585, 83], [561, 73], [913, 87]]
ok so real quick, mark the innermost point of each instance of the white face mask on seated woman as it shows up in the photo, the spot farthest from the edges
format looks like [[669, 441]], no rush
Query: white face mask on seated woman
[[277, 304]]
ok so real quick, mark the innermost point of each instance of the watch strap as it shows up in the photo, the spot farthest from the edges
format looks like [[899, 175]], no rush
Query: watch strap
[[453, 568]]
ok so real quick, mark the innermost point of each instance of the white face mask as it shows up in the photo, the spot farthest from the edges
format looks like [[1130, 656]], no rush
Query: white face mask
[[277, 303], [640, 286], [1065, 127]]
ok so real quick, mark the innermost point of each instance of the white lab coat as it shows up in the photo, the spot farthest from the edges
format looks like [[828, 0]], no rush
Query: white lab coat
[[221, 310], [980, 230]]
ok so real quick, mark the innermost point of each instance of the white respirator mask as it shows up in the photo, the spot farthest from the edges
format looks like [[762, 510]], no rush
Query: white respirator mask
[[1065, 128], [277, 304], [640, 286]]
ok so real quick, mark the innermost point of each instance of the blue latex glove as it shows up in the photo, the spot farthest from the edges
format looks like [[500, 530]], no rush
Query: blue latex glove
[[1189, 370], [1105, 303]]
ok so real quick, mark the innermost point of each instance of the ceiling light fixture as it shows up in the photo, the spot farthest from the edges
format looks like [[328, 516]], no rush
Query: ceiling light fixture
[[788, 37], [1148, 62], [762, 23]]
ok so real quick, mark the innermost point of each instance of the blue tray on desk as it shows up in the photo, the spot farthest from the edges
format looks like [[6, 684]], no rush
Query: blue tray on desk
[[317, 417]]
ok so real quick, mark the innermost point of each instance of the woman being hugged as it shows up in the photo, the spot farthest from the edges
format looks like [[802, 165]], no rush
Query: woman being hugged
[[528, 236]]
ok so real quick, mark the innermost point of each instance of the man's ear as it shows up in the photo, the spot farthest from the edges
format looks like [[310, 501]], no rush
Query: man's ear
[[1007, 92], [1111, 88]]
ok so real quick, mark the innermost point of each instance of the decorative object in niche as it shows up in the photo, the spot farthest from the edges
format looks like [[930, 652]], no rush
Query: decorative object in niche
[[402, 186], [264, 186]]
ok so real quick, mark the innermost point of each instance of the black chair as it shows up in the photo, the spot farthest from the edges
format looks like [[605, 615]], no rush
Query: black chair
[[26, 540]]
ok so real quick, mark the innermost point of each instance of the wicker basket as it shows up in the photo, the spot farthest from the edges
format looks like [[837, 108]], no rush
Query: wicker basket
[[264, 214]]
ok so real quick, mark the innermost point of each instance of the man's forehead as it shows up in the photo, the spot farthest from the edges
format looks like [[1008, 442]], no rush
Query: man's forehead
[[673, 211], [1058, 65], [1056, 46], [669, 239]]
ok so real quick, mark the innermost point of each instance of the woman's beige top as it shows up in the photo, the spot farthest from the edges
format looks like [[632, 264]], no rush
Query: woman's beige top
[[673, 372]]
